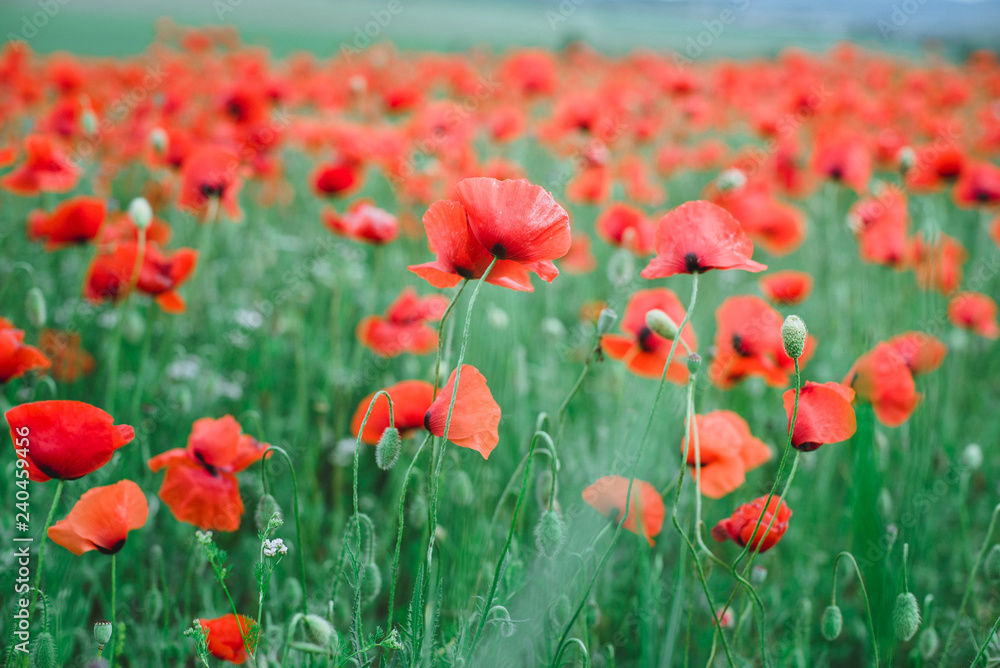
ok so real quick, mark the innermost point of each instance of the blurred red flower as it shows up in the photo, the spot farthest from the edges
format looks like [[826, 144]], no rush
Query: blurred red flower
[[727, 451], [410, 401], [16, 358], [976, 312], [76, 220], [740, 527], [786, 288], [610, 496]]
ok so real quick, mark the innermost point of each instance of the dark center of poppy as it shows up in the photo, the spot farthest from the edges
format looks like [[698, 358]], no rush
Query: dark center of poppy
[[427, 420], [498, 251], [807, 447], [212, 471], [211, 189], [691, 264], [836, 173], [644, 339], [111, 550], [740, 346], [467, 274], [982, 195], [234, 109]]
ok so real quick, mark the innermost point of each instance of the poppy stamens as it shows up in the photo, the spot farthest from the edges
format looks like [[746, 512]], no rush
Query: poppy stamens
[[691, 264]]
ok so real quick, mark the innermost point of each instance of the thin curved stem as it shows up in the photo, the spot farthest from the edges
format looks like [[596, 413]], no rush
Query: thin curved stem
[[399, 533], [114, 611], [864, 591], [41, 549], [295, 507], [986, 643], [972, 577], [444, 317]]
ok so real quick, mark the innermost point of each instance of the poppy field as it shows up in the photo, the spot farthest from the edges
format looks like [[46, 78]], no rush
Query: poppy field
[[517, 358]]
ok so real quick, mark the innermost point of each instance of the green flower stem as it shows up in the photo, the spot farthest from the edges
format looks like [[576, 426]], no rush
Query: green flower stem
[[399, 533], [510, 537], [295, 507], [635, 468], [864, 592], [114, 610], [972, 576], [41, 549], [116, 341], [986, 643], [440, 348]]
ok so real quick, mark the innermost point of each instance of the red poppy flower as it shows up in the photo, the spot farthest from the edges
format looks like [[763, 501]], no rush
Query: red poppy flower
[[475, 418], [880, 224], [978, 185], [727, 451], [410, 401], [211, 173], [934, 167], [976, 312], [579, 259], [46, 169], [778, 227], [363, 222], [643, 352], [825, 415], [200, 486], [739, 527], [459, 255], [16, 358], [122, 228], [404, 329], [516, 221], [748, 343], [338, 179], [645, 507], [69, 360], [923, 353], [76, 220], [939, 265], [102, 518], [110, 274], [225, 637], [698, 236], [843, 158], [627, 227], [883, 377], [64, 440], [786, 288]]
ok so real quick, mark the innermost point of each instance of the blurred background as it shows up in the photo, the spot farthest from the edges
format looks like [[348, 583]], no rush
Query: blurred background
[[699, 29]]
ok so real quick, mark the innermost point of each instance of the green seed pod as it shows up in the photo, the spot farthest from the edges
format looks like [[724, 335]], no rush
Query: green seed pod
[[267, 507], [731, 179], [906, 616], [992, 565], [153, 604], [832, 622], [462, 491], [661, 324], [793, 335], [928, 643], [693, 363], [318, 631], [45, 652], [102, 632], [34, 306], [159, 140], [292, 593], [388, 449], [592, 614], [605, 321], [550, 534], [560, 612], [371, 583], [416, 512], [906, 158], [88, 122], [140, 212], [133, 327]]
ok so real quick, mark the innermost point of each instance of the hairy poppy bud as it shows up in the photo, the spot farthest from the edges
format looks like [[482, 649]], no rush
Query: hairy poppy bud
[[832, 622], [661, 324], [462, 491], [793, 335], [267, 508], [102, 633], [550, 533], [388, 449], [693, 363], [45, 652], [140, 212], [292, 592], [34, 306], [159, 140], [906, 159], [153, 603], [928, 643], [371, 582], [992, 565], [972, 456], [906, 616], [318, 631], [605, 321]]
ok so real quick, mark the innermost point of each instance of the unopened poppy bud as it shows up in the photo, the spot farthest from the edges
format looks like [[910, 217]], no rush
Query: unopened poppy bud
[[140, 212], [292, 593], [992, 565], [661, 324], [388, 449], [153, 603], [88, 121], [972, 456], [371, 583], [267, 507], [593, 614], [928, 643], [102, 633], [906, 159], [45, 652], [693, 363], [906, 616], [159, 140], [832, 622], [133, 326], [462, 492], [550, 533], [605, 321], [758, 575], [793, 335], [34, 307], [731, 179], [318, 631]]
